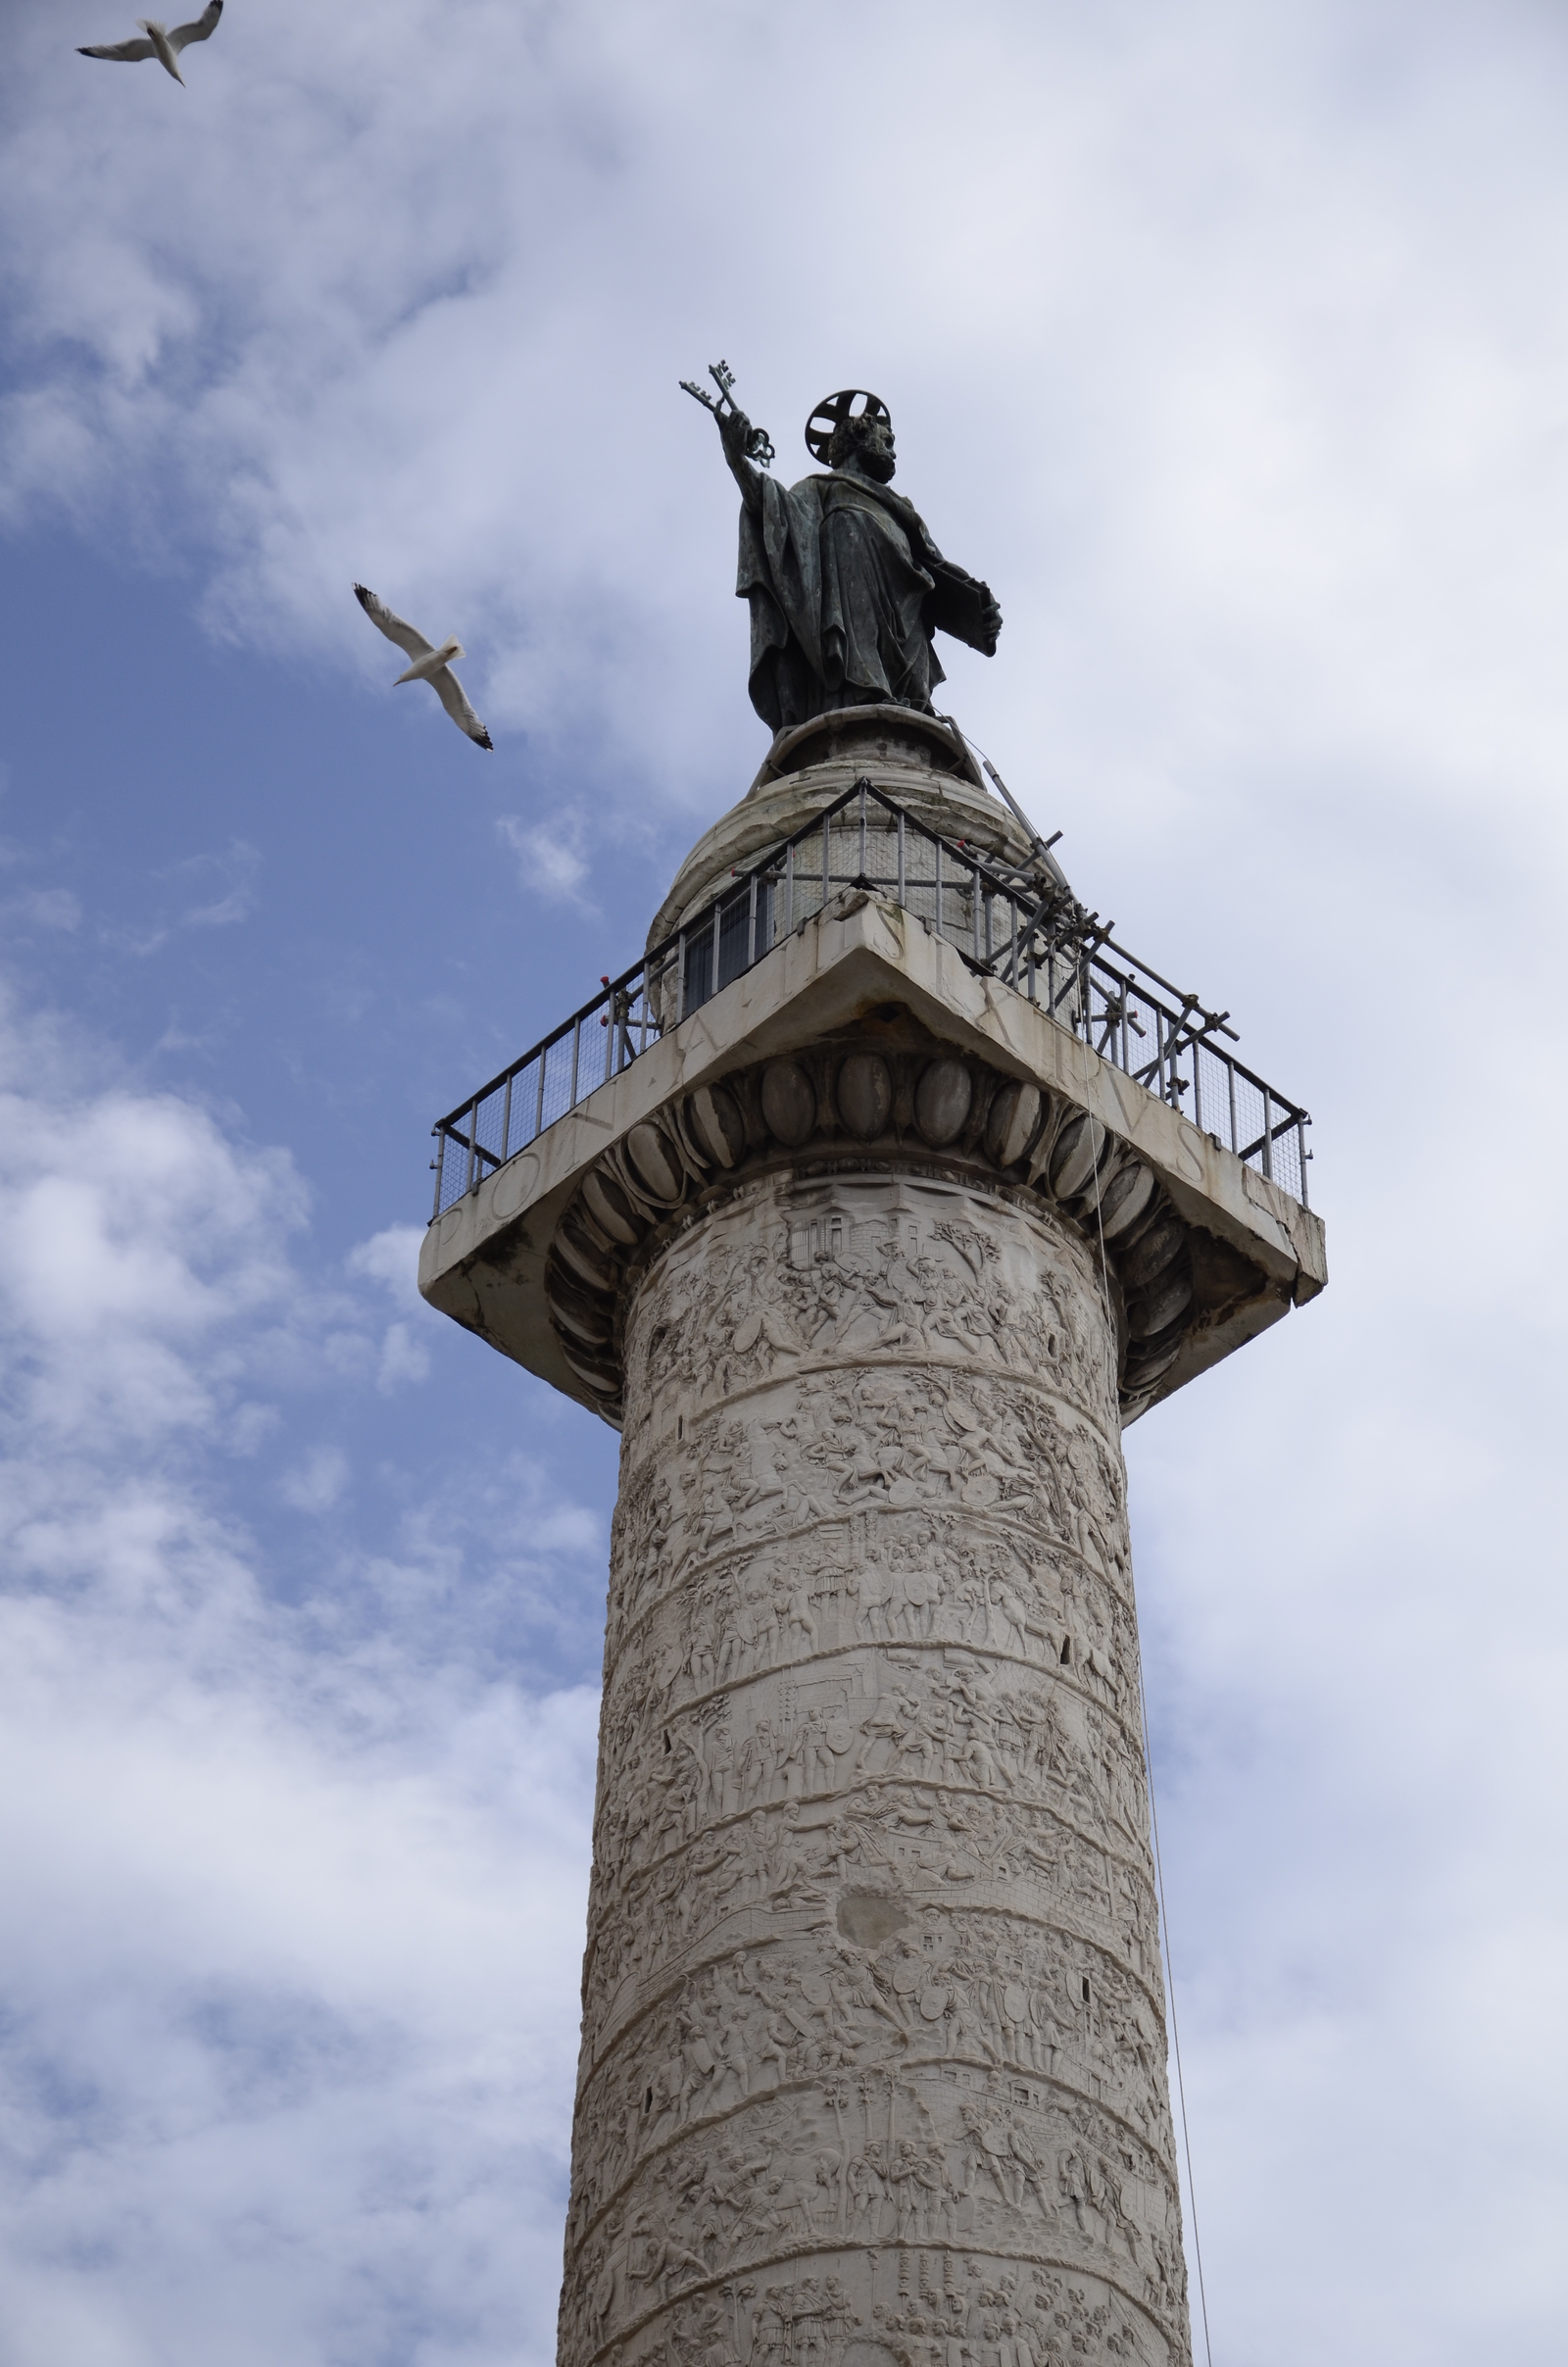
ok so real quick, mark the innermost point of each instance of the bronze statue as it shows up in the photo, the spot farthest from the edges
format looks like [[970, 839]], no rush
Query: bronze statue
[[845, 586]]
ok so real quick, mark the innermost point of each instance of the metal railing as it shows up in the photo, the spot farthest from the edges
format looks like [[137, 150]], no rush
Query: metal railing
[[1016, 922]]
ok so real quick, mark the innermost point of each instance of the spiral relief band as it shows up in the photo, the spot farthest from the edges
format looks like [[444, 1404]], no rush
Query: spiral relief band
[[873, 2025]]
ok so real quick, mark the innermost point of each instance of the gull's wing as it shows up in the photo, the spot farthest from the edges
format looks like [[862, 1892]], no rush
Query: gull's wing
[[412, 644], [449, 690], [199, 27], [129, 51]]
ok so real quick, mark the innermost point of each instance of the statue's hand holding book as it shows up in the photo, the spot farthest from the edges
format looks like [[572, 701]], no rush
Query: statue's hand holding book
[[961, 605]]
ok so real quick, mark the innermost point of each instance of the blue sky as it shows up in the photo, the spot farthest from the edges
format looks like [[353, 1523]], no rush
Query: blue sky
[[1227, 343]]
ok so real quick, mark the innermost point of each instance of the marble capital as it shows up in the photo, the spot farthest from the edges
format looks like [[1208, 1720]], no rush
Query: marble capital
[[864, 981]]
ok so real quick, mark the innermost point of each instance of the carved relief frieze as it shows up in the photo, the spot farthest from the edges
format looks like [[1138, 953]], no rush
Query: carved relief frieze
[[771, 1871], [948, 1984], [948, 2194], [845, 1105], [967, 1583], [873, 2041], [957, 1726]]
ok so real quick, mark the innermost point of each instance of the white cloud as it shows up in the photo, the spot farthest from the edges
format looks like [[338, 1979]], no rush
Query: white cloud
[[222, 915], [252, 1426], [294, 1865], [47, 909], [550, 861], [315, 1484], [392, 1259], [133, 1238], [403, 1358], [233, 870]]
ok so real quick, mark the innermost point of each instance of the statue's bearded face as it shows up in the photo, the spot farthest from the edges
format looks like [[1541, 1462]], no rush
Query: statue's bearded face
[[876, 454], [865, 444]]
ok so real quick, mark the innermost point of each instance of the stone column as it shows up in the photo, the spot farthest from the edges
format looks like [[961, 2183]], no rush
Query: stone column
[[871, 1257], [873, 2058]]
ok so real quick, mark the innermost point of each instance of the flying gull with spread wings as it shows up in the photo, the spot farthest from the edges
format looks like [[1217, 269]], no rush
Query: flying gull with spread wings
[[431, 664], [160, 43]]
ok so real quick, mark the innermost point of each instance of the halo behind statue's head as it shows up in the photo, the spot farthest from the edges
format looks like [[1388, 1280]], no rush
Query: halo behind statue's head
[[831, 414]]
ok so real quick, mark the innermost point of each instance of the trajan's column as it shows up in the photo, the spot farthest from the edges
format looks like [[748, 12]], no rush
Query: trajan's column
[[875, 1209]]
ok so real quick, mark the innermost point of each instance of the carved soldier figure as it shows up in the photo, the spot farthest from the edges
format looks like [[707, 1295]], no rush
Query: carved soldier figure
[[1072, 2176], [770, 2343], [866, 2194], [1010, 1999]]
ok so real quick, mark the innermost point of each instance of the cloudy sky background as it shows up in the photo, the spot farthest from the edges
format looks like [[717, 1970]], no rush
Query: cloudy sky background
[[1228, 342]]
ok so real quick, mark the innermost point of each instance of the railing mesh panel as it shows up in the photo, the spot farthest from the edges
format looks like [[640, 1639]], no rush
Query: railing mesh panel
[[1016, 923]]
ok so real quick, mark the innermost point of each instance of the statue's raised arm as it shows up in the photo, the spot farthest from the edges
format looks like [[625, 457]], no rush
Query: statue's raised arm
[[846, 587], [744, 446]]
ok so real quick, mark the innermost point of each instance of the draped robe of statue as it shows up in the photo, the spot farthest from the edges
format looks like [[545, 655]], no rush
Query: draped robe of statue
[[846, 589]]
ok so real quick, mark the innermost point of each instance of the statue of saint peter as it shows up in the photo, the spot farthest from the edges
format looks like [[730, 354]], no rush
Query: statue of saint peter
[[847, 588]]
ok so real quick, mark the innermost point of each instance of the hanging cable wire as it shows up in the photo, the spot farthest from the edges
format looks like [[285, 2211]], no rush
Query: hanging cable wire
[[1175, 2027], [1153, 1812], [1160, 1874]]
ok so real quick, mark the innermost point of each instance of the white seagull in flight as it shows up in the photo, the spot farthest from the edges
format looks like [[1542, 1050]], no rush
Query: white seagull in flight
[[160, 43], [430, 664]]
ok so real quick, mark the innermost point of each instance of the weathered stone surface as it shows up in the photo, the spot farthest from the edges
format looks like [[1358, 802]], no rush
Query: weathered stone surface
[[719, 1126], [873, 2054], [607, 1205], [1013, 1123], [789, 1101], [942, 1100], [866, 1095], [1076, 1157], [657, 1165]]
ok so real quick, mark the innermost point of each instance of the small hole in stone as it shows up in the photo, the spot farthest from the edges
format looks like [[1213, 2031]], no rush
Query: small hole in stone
[[1086, 1989], [680, 1425], [1067, 1649], [667, 1746], [868, 1918]]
